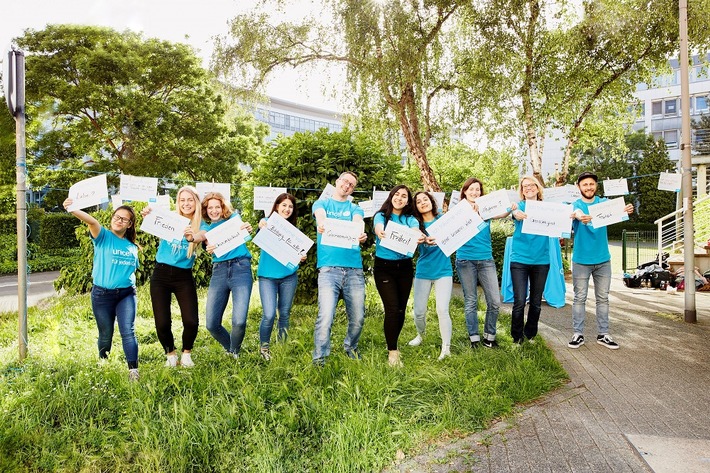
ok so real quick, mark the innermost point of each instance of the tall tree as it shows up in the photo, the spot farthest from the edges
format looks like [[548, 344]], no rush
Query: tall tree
[[654, 203], [394, 51], [126, 104]]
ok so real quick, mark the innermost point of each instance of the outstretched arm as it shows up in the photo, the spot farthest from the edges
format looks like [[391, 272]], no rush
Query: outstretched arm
[[94, 225]]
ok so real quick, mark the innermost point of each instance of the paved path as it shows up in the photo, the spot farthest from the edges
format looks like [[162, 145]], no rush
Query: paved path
[[629, 410], [39, 286]]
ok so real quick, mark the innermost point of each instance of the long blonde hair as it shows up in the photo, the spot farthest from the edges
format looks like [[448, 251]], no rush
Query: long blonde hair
[[195, 218]]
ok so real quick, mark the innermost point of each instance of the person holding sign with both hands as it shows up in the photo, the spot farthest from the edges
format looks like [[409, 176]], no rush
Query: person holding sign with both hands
[[393, 271]]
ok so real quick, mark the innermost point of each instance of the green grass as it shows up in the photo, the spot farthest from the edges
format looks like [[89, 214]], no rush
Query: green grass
[[62, 411]]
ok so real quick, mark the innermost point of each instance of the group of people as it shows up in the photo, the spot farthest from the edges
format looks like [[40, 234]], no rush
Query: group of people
[[340, 274]]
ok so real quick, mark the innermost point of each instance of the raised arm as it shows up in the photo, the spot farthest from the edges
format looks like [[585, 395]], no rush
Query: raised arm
[[94, 225]]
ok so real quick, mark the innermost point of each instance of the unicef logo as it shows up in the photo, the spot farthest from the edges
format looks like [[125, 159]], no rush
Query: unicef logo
[[346, 213]]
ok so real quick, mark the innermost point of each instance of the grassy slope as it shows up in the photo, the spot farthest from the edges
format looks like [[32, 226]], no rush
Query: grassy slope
[[60, 411]]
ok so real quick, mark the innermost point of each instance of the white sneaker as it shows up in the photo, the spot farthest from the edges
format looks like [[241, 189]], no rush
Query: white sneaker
[[171, 361], [133, 375], [394, 359], [186, 360], [445, 351], [416, 341]]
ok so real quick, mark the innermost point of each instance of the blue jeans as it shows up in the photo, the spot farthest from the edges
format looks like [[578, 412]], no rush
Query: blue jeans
[[111, 306], [276, 293], [231, 276], [442, 293], [471, 272], [601, 275], [521, 274], [332, 282]]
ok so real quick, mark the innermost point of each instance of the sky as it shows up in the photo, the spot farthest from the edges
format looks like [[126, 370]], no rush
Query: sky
[[187, 21]]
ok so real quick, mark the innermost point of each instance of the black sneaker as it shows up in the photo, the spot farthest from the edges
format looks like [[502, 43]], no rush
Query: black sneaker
[[489, 343], [607, 341], [353, 354], [319, 362], [577, 341], [474, 344]]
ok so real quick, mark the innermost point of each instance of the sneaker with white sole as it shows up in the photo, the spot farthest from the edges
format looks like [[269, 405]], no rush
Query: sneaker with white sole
[[265, 353], [445, 352], [416, 341], [133, 375], [394, 359], [171, 361], [577, 341], [607, 341], [186, 360]]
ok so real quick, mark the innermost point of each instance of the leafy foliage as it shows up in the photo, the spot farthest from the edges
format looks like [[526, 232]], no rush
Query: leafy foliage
[[654, 203]]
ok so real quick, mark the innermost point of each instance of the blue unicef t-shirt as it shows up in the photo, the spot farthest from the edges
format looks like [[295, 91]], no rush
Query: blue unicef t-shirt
[[479, 247], [386, 253], [529, 249], [175, 254], [591, 245], [331, 255], [432, 262], [270, 267], [239, 252], [115, 261]]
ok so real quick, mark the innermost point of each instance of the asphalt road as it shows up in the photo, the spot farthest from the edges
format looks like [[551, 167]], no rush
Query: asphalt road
[[39, 286]]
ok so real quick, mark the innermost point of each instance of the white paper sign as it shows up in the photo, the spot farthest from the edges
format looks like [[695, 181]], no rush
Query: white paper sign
[[513, 195], [264, 197], [116, 201], [456, 227], [227, 236], [564, 194], [141, 189], [400, 238], [286, 243], [493, 204], [670, 181], [220, 188], [367, 206], [455, 198], [615, 187], [328, 193], [439, 198], [165, 224], [608, 212], [91, 191], [342, 233], [379, 198], [162, 201], [548, 219]]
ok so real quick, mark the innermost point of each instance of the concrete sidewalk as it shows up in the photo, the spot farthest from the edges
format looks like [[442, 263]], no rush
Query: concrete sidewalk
[[644, 407]]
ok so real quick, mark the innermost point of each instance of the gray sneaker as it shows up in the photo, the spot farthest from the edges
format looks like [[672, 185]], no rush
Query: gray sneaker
[[353, 354], [133, 375], [577, 341]]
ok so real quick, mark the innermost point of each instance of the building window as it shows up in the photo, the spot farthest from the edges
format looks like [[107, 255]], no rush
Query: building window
[[701, 104], [671, 138], [671, 107], [657, 108]]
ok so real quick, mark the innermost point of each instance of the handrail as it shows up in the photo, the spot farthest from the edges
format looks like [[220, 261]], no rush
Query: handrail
[[675, 230]]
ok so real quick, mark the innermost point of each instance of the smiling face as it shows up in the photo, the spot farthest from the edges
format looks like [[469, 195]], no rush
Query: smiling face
[[400, 199], [285, 208], [473, 192], [345, 185], [588, 187], [529, 188], [121, 221], [424, 205], [186, 203], [214, 210]]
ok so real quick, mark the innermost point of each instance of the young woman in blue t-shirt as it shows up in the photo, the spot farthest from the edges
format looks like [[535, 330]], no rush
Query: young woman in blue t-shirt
[[231, 274], [529, 265], [394, 271], [277, 283], [173, 275], [433, 269], [113, 293]]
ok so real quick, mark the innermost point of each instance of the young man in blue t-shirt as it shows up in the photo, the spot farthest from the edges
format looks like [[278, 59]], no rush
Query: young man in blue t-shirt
[[339, 273], [590, 257]]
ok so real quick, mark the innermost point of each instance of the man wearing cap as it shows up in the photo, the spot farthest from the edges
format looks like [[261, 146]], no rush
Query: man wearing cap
[[590, 257]]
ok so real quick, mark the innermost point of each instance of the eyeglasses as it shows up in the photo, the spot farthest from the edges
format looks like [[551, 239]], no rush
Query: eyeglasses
[[529, 186], [348, 183], [118, 218]]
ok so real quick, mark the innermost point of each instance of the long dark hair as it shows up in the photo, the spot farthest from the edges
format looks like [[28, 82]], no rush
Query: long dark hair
[[286, 196], [387, 206], [469, 182], [418, 215], [130, 234]]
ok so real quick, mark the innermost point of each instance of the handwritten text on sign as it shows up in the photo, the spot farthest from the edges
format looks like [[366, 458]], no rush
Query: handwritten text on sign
[[615, 187], [141, 189], [165, 224], [548, 219], [342, 233], [264, 197], [91, 191], [284, 242], [493, 204], [227, 236], [608, 212], [670, 181], [400, 239], [456, 227]]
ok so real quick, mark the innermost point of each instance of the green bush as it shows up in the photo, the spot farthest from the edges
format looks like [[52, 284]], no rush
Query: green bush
[[57, 231], [614, 232]]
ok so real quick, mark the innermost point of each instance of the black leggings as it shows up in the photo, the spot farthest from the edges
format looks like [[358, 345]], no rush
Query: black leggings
[[166, 281], [393, 279]]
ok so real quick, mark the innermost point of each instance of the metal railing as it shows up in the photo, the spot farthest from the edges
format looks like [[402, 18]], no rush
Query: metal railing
[[670, 229]]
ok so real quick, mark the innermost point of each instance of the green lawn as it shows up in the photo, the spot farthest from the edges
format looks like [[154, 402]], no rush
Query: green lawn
[[62, 411]]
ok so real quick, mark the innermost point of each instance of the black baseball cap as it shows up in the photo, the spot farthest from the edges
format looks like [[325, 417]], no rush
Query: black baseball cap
[[585, 175]]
